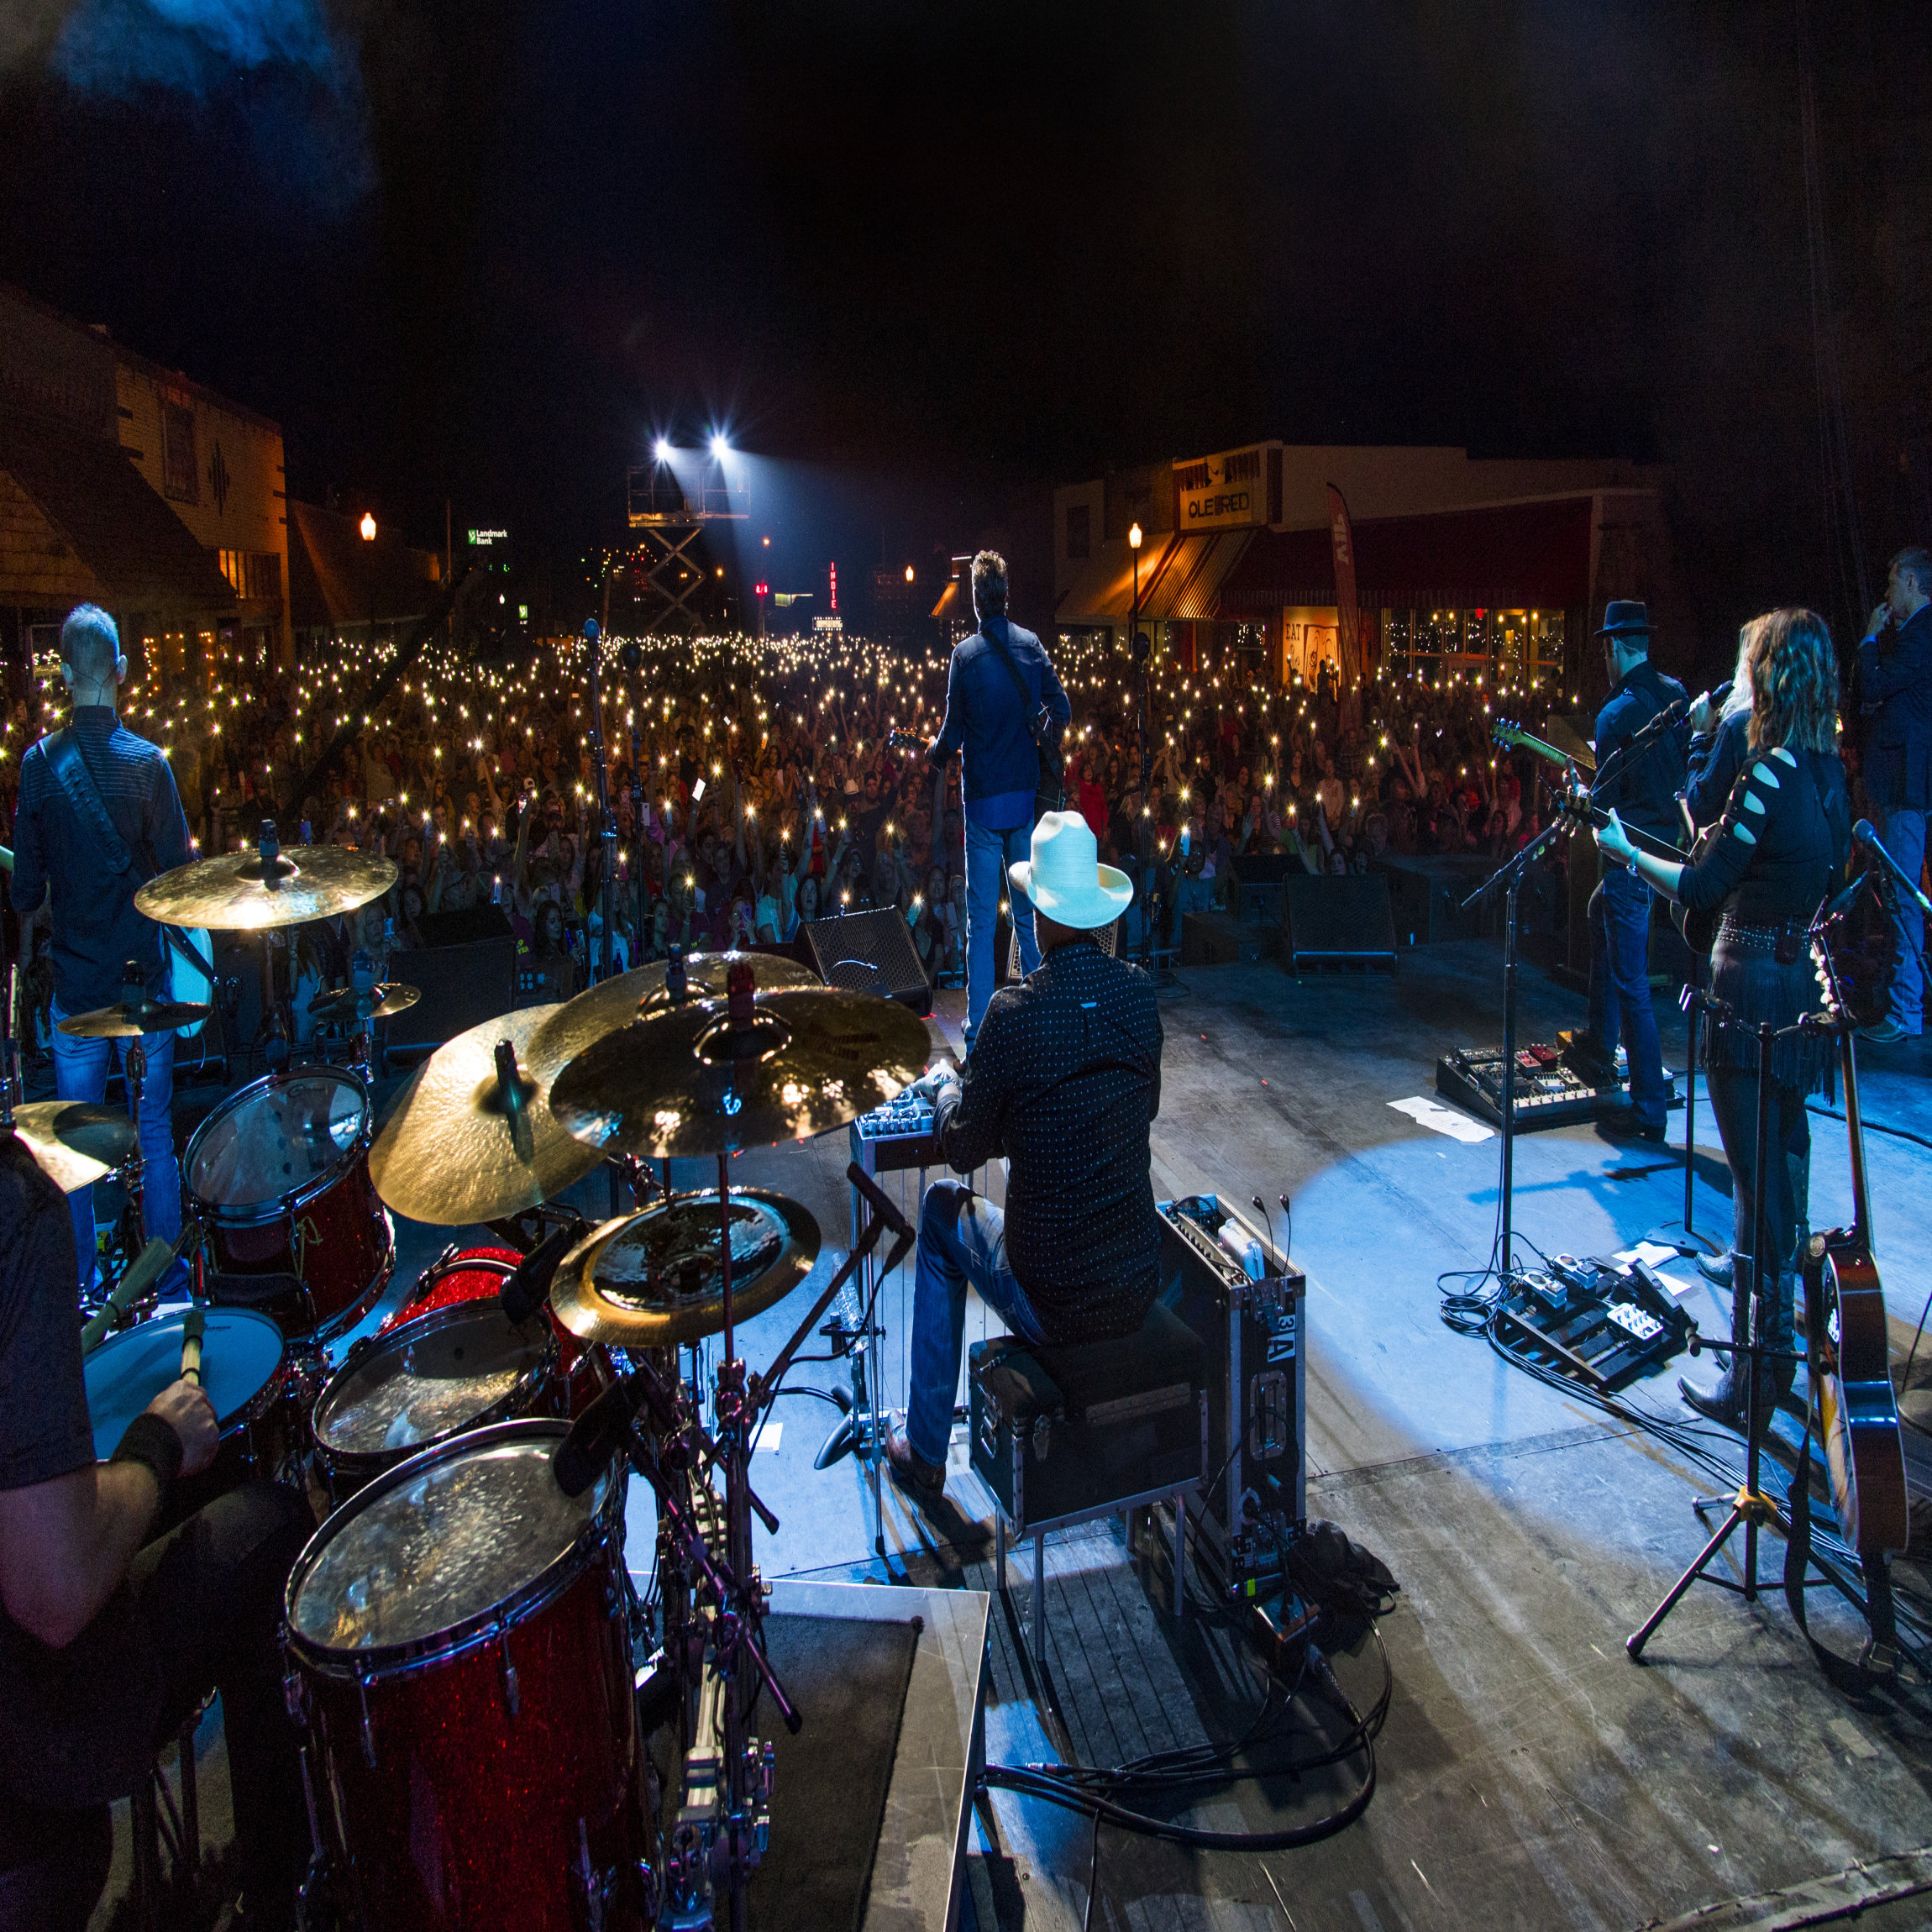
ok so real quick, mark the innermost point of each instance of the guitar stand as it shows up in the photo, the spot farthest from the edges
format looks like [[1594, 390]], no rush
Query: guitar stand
[[1750, 1507]]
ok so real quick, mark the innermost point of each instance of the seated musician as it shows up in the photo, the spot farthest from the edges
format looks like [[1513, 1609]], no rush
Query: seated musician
[[109, 1640], [1064, 1080]]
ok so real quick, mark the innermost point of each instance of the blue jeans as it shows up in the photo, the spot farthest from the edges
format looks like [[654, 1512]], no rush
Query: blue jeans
[[988, 854], [80, 1074], [1904, 832], [962, 1239], [1620, 987]]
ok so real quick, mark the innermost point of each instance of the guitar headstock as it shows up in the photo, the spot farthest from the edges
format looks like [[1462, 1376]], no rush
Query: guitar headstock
[[1507, 732], [904, 741]]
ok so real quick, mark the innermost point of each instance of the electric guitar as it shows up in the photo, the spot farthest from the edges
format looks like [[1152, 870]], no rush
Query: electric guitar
[[1849, 1359], [1573, 796]]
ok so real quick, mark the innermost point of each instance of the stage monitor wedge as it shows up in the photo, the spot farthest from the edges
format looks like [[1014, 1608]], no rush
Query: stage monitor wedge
[[870, 953]]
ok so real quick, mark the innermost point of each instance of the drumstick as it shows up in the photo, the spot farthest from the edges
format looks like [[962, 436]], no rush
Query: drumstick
[[196, 1321]]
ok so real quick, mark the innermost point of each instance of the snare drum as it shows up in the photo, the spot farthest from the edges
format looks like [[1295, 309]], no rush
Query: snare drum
[[280, 1173], [442, 1373], [459, 1641], [243, 1374], [475, 1274]]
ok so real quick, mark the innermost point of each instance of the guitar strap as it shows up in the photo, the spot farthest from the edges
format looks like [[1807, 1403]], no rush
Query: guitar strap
[[62, 751], [1052, 778]]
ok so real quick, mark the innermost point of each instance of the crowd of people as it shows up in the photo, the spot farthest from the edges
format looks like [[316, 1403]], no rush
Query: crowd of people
[[755, 785]]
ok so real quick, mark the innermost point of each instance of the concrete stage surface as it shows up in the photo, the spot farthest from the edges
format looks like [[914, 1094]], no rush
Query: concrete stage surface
[[1529, 1774]]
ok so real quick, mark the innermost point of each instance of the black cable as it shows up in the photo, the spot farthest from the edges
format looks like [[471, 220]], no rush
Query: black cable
[[1068, 1785], [1871, 1126], [1093, 1877]]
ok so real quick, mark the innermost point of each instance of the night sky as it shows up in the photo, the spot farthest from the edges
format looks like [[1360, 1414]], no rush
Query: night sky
[[929, 252]]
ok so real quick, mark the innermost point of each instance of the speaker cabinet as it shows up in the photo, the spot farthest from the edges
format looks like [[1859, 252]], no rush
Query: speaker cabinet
[[870, 953]]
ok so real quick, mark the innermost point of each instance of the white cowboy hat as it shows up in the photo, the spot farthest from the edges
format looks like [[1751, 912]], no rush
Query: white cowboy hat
[[1064, 878]]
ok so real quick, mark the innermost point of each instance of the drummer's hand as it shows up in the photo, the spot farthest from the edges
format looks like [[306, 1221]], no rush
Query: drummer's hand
[[188, 1412]]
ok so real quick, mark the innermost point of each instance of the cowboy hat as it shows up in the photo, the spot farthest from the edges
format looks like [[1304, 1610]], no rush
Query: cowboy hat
[[1627, 618], [1064, 878]]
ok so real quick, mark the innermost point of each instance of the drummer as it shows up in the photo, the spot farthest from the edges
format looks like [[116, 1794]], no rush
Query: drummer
[[108, 1642], [96, 768]]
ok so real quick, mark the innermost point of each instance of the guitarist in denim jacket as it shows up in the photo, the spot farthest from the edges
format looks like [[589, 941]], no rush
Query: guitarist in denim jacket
[[1000, 681], [96, 930]]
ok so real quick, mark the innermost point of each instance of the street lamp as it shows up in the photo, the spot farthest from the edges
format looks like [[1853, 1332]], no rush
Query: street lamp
[[1134, 544], [368, 527]]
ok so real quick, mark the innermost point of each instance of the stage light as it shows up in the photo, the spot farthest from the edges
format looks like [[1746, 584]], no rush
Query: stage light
[[720, 447]]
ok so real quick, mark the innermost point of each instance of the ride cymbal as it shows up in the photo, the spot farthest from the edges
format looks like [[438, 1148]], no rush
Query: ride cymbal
[[690, 1080], [455, 1148], [128, 1020], [635, 995], [243, 892], [652, 1279], [75, 1144], [340, 1005]]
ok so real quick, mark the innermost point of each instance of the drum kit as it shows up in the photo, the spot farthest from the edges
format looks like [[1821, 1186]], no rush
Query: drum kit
[[464, 1639]]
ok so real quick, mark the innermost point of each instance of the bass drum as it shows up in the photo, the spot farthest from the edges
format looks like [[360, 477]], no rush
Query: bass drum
[[475, 1274], [280, 1174], [443, 1373], [245, 1374], [460, 1643]]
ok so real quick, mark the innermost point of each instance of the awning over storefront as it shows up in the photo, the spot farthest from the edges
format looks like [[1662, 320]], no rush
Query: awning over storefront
[[1181, 577], [1104, 591], [1528, 556], [142, 559]]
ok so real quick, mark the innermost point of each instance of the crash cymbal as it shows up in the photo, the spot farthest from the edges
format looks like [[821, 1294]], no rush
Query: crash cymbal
[[128, 1019], [687, 1081], [585, 1019], [241, 892], [74, 1144], [453, 1150], [651, 1280], [340, 1005]]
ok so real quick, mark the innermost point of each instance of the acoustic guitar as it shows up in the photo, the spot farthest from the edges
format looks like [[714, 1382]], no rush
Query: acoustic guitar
[[1848, 1355], [1571, 797]]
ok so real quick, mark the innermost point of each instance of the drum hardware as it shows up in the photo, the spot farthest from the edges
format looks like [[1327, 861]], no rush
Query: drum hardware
[[472, 1138]]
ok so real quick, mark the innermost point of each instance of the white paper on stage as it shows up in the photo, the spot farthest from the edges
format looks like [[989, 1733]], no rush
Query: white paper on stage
[[1441, 1120]]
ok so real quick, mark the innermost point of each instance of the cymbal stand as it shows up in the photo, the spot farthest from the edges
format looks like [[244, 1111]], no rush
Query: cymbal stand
[[362, 978]]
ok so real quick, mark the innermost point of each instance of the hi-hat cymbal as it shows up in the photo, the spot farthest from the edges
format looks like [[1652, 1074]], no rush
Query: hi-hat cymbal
[[340, 1005], [687, 1081], [454, 1150], [128, 1020], [587, 1018], [74, 1144], [652, 1280], [240, 892]]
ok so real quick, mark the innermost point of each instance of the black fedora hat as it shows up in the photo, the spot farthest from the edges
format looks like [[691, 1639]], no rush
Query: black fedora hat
[[1627, 617]]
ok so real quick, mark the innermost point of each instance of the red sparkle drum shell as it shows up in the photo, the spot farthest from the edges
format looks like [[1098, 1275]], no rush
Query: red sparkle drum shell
[[477, 1274], [444, 1372], [280, 1174], [459, 1638]]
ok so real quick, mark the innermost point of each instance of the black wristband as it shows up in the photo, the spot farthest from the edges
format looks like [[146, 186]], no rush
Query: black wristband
[[154, 1444]]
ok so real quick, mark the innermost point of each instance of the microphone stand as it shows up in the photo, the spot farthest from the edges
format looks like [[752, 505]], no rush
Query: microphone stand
[[607, 825], [1509, 876]]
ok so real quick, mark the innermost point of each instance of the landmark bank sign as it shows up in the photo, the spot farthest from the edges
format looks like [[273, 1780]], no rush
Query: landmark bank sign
[[1226, 492]]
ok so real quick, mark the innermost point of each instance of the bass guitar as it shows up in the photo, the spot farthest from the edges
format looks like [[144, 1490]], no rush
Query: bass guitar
[[1848, 1355]]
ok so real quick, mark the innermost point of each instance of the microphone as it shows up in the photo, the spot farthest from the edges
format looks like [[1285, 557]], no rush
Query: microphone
[[1846, 899], [594, 1437], [590, 630], [1867, 835], [143, 1271], [526, 1287]]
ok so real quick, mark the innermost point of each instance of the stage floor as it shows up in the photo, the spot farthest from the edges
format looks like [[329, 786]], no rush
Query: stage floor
[[1529, 1774]]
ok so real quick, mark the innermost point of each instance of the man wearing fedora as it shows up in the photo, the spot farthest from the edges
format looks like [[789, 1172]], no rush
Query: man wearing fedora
[[1643, 788], [1064, 1080]]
